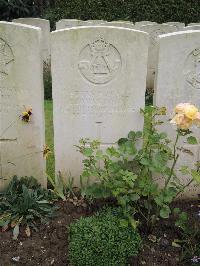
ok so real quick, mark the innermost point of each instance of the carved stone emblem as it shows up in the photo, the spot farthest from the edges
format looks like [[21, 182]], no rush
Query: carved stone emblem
[[6, 58], [192, 69], [99, 61]]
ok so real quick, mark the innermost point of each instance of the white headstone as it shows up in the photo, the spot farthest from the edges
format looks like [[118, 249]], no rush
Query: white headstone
[[178, 25], [178, 81], [128, 25], [96, 22], [193, 24], [69, 23], [126, 21], [154, 30], [45, 27], [21, 87], [143, 23], [99, 76], [192, 27]]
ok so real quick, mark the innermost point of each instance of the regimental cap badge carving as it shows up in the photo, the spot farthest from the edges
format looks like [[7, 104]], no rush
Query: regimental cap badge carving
[[99, 61], [99, 46]]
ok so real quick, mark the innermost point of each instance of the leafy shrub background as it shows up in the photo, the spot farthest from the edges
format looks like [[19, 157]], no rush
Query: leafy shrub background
[[102, 240], [10, 9], [134, 10]]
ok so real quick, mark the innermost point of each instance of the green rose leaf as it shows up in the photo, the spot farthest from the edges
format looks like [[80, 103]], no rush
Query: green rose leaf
[[192, 140], [88, 152], [131, 135], [196, 176], [138, 134], [122, 141]]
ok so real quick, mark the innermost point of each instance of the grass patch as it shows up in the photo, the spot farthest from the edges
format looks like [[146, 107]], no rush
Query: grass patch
[[48, 107]]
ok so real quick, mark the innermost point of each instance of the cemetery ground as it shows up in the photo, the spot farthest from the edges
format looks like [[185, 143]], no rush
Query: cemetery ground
[[49, 245]]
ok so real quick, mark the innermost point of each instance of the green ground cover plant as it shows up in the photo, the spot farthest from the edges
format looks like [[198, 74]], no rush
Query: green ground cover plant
[[102, 240], [25, 203]]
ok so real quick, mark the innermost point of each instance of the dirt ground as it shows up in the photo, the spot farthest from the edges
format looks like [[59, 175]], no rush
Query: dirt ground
[[49, 246]]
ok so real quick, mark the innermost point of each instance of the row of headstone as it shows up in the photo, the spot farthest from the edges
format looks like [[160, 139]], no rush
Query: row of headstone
[[152, 28], [99, 76]]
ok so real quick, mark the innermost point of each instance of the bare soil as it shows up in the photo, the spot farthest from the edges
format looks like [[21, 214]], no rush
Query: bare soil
[[49, 246]]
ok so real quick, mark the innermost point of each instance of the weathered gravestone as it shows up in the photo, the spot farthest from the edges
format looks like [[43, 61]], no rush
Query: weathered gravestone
[[96, 21], [192, 27], [45, 27], [69, 23], [122, 24], [99, 76], [154, 30], [124, 21], [178, 25], [194, 24], [21, 143], [178, 81], [138, 24]]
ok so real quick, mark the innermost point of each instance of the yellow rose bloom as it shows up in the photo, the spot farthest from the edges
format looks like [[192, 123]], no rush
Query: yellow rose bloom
[[190, 111], [181, 121], [180, 108], [186, 115]]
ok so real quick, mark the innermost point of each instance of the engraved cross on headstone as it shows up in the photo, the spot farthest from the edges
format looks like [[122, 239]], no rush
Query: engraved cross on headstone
[[99, 130], [103, 145]]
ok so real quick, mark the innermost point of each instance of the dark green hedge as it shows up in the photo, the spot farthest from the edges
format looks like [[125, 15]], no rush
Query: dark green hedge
[[102, 240], [10, 9], [134, 10]]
